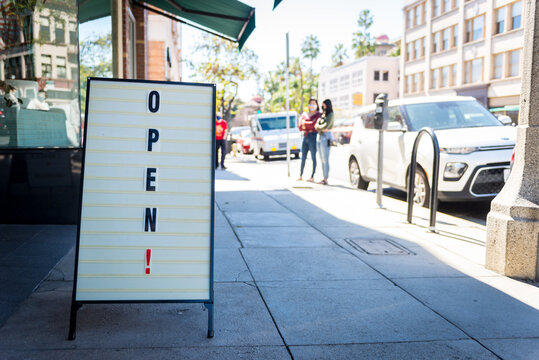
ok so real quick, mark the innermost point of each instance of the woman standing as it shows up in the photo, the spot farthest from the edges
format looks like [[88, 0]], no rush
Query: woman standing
[[306, 124], [324, 126]]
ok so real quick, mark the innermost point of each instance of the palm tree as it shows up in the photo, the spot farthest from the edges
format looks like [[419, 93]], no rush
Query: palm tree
[[339, 55], [362, 42], [310, 50]]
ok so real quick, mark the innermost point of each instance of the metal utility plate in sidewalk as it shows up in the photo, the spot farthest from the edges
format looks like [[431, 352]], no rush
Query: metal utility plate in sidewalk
[[378, 246]]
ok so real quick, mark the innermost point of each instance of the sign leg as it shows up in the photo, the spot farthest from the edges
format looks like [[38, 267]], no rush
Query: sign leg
[[75, 306], [209, 306]]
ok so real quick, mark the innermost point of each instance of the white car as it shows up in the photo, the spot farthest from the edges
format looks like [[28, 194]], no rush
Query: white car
[[475, 148]]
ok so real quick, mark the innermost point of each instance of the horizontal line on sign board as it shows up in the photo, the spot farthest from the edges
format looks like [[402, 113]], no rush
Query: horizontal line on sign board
[[144, 192], [178, 141], [141, 276], [148, 205], [138, 219], [194, 181], [89, 290], [143, 101], [154, 115], [152, 153], [145, 87], [117, 261], [144, 233], [151, 166], [133, 247]]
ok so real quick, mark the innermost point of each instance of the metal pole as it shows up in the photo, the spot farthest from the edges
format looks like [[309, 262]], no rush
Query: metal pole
[[379, 180], [287, 110]]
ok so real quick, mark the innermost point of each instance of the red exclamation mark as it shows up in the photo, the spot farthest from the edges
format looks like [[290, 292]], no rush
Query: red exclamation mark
[[148, 258]]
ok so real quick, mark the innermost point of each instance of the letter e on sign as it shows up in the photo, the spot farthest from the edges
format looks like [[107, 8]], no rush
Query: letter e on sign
[[154, 101]]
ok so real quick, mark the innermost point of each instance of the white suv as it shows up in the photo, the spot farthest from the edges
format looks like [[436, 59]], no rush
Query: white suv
[[475, 148]]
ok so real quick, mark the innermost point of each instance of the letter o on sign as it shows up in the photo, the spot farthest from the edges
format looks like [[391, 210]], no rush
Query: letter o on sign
[[153, 101]]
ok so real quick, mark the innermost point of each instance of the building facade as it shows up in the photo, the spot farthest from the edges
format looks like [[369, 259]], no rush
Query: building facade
[[358, 82], [463, 47]]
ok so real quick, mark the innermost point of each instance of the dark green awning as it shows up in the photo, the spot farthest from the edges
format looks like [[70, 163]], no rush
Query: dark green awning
[[275, 3], [227, 18]]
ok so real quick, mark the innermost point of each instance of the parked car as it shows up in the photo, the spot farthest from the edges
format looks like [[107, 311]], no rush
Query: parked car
[[475, 148], [269, 134], [342, 130], [233, 135], [243, 144]]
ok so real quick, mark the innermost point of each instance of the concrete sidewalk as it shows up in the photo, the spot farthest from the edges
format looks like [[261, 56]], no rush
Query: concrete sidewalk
[[306, 272]]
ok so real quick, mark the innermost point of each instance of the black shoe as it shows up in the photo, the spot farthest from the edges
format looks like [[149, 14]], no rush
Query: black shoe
[[223, 167]]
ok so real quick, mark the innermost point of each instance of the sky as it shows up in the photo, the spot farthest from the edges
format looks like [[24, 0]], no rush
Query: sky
[[331, 21]]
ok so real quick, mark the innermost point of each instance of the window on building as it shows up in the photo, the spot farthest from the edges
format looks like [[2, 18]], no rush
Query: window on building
[[409, 52], [29, 65], [423, 47], [408, 88], [385, 76], [514, 62], [446, 5], [453, 75], [516, 15], [497, 66], [72, 33], [61, 67], [417, 51], [344, 82], [445, 76], [59, 33], [435, 43], [75, 74], [473, 71], [455, 36], [434, 79], [445, 39], [409, 19], [475, 28], [500, 21], [436, 7], [46, 66], [333, 84], [376, 75], [44, 29], [417, 15], [28, 29]]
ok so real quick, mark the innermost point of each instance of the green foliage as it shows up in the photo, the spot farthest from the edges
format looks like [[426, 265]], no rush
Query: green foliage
[[339, 55], [310, 50], [95, 61], [222, 64], [362, 42], [396, 52], [275, 87]]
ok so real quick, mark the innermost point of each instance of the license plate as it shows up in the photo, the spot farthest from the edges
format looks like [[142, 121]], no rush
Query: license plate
[[506, 173], [282, 145]]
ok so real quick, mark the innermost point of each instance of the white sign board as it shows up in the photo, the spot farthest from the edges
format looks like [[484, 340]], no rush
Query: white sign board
[[146, 226]]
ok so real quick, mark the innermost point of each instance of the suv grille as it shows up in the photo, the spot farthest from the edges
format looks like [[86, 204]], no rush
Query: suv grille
[[488, 182]]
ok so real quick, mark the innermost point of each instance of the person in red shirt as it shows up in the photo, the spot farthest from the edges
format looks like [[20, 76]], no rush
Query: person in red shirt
[[220, 141], [306, 124]]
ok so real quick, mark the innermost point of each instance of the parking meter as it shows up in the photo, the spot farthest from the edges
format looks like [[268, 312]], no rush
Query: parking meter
[[380, 115]]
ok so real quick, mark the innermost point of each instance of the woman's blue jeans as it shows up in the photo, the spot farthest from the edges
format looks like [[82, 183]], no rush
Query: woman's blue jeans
[[323, 150], [308, 144]]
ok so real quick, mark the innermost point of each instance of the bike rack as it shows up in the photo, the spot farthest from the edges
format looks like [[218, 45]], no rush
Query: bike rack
[[433, 201]]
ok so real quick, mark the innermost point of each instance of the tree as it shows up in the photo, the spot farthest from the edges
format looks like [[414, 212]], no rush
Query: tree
[[222, 64], [362, 42], [339, 55], [310, 50], [95, 60]]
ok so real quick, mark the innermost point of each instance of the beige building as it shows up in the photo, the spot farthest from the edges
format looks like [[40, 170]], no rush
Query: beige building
[[463, 47]]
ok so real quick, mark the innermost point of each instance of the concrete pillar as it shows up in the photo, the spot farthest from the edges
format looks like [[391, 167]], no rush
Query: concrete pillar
[[117, 44], [513, 222]]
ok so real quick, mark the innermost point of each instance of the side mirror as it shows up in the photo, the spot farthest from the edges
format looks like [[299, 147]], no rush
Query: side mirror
[[505, 120], [395, 126]]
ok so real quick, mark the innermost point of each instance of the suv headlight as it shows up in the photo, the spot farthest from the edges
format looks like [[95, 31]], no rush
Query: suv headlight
[[459, 150], [454, 171]]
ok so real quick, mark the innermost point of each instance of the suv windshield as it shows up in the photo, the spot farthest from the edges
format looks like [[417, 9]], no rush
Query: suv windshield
[[275, 123], [449, 115]]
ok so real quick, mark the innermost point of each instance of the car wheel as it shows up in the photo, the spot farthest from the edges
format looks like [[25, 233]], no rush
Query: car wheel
[[421, 189], [296, 156], [355, 176]]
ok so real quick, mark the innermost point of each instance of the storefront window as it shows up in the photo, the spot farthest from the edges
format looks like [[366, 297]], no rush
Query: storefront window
[[39, 96]]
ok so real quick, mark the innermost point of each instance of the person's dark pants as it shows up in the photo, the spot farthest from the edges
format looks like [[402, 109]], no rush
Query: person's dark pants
[[309, 144], [220, 144]]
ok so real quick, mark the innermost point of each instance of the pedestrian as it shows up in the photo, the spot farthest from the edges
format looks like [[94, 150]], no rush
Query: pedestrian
[[307, 122], [325, 138], [220, 142]]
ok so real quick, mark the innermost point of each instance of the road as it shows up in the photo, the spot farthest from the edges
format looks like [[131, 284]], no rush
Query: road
[[472, 211]]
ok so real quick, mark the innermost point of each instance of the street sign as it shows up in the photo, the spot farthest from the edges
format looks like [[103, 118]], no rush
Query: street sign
[[146, 223]]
